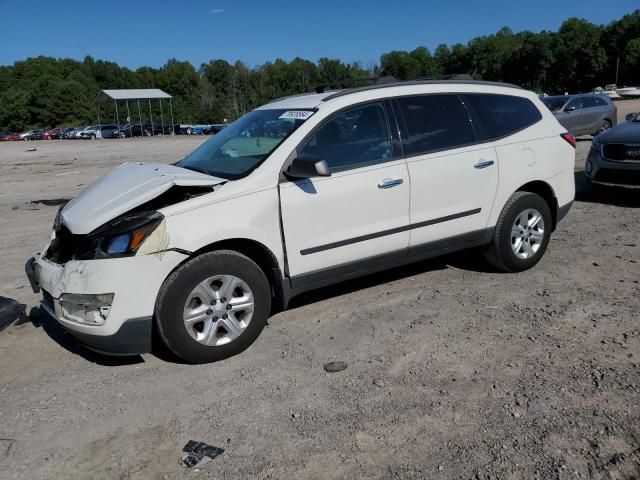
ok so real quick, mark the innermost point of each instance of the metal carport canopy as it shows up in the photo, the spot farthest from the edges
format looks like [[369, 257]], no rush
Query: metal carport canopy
[[106, 96]]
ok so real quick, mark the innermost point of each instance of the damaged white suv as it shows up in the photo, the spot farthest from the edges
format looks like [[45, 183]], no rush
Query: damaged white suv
[[300, 193]]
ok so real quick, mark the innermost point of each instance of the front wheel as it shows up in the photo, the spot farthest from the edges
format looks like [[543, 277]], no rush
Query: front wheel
[[522, 233], [213, 307]]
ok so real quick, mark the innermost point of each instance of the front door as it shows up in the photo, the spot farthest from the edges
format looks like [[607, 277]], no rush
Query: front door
[[572, 117], [359, 212]]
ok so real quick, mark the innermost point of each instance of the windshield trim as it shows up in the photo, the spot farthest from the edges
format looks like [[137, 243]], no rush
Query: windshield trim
[[231, 177]]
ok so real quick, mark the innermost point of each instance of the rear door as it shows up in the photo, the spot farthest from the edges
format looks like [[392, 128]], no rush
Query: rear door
[[453, 178], [592, 114], [359, 212]]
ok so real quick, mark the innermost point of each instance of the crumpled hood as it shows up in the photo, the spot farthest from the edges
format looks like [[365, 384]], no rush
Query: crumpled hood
[[126, 187], [627, 132]]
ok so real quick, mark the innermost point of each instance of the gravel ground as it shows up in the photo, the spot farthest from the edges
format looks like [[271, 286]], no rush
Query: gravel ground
[[454, 370]]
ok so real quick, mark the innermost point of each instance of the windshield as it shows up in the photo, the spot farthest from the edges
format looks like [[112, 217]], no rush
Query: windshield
[[240, 147], [554, 104]]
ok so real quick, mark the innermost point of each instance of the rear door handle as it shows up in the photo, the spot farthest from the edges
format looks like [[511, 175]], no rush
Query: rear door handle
[[389, 182], [483, 164]]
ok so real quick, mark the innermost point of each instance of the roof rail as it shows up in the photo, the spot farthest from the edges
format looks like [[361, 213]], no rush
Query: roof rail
[[344, 83], [349, 91]]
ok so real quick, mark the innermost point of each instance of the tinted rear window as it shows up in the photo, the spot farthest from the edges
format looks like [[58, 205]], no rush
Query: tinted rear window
[[502, 115], [434, 122]]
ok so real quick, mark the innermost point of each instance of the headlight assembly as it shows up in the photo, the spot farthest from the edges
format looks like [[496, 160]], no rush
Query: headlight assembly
[[123, 236]]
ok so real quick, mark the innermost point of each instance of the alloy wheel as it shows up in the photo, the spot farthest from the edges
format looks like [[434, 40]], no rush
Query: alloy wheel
[[527, 234], [218, 310]]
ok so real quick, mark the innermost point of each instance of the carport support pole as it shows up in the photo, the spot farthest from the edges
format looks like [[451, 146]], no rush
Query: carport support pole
[[128, 119], [151, 117], [161, 115], [173, 129], [115, 102], [98, 107], [140, 115]]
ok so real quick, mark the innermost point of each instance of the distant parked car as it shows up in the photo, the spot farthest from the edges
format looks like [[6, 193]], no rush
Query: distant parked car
[[129, 130], [614, 157], [71, 131], [34, 135], [146, 130], [99, 131], [80, 130], [584, 114], [53, 134], [10, 137]]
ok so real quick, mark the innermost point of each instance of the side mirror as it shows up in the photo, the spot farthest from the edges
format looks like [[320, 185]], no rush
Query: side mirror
[[631, 116], [308, 166], [569, 109]]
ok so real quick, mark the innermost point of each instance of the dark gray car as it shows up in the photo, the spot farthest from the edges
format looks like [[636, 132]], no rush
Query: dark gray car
[[615, 154], [586, 114]]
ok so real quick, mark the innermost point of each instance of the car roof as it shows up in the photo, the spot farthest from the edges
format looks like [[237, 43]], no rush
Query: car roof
[[314, 100], [574, 95]]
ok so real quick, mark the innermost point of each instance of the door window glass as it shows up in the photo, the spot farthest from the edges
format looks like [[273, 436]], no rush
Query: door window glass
[[434, 122], [575, 104], [352, 138]]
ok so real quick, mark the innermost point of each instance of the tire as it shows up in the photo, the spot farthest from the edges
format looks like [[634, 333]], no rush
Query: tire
[[519, 207], [604, 126], [92, 137], [179, 298]]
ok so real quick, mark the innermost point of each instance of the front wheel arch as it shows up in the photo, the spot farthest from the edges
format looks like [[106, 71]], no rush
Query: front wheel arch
[[258, 253]]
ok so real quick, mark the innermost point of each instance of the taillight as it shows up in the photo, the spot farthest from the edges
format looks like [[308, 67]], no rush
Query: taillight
[[569, 138]]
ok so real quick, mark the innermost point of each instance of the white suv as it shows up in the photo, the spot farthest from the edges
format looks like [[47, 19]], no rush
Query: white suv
[[300, 193]]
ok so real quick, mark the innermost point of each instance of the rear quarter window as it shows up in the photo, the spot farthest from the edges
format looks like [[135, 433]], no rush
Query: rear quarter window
[[497, 116]]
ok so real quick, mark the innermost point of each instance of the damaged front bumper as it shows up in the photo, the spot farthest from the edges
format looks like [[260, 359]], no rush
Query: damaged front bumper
[[131, 285]]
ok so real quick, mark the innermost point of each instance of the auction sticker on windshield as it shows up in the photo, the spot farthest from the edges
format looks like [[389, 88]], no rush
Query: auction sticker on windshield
[[296, 114]]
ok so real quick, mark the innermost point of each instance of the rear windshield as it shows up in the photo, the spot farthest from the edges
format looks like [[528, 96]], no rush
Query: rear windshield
[[239, 148], [554, 104]]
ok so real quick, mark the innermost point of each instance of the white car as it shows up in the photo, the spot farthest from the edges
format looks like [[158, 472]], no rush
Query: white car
[[300, 193], [98, 131]]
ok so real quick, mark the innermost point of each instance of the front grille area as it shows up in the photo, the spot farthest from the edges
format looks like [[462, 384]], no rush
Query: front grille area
[[620, 152], [622, 177], [67, 246]]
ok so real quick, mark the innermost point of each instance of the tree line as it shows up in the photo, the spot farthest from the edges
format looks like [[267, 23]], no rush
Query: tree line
[[46, 92]]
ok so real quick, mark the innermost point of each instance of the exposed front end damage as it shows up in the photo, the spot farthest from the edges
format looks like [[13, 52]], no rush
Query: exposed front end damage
[[100, 275]]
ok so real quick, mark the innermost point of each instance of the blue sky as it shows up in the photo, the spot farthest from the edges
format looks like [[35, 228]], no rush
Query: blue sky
[[143, 32]]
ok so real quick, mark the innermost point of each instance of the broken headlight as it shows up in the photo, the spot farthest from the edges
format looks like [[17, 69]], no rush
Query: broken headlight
[[123, 236]]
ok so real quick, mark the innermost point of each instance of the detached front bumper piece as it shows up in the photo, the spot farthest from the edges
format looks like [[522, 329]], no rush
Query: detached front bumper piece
[[106, 304]]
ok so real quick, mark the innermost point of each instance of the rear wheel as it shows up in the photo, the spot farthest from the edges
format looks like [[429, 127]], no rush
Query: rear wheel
[[522, 233], [213, 307], [604, 126]]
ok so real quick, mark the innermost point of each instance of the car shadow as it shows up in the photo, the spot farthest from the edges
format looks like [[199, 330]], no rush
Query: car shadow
[[618, 196], [470, 260]]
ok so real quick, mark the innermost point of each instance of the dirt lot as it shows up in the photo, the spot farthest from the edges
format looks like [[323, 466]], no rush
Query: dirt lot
[[454, 371]]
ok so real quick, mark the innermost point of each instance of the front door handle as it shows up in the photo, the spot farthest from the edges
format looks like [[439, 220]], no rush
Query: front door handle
[[483, 164], [389, 182]]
